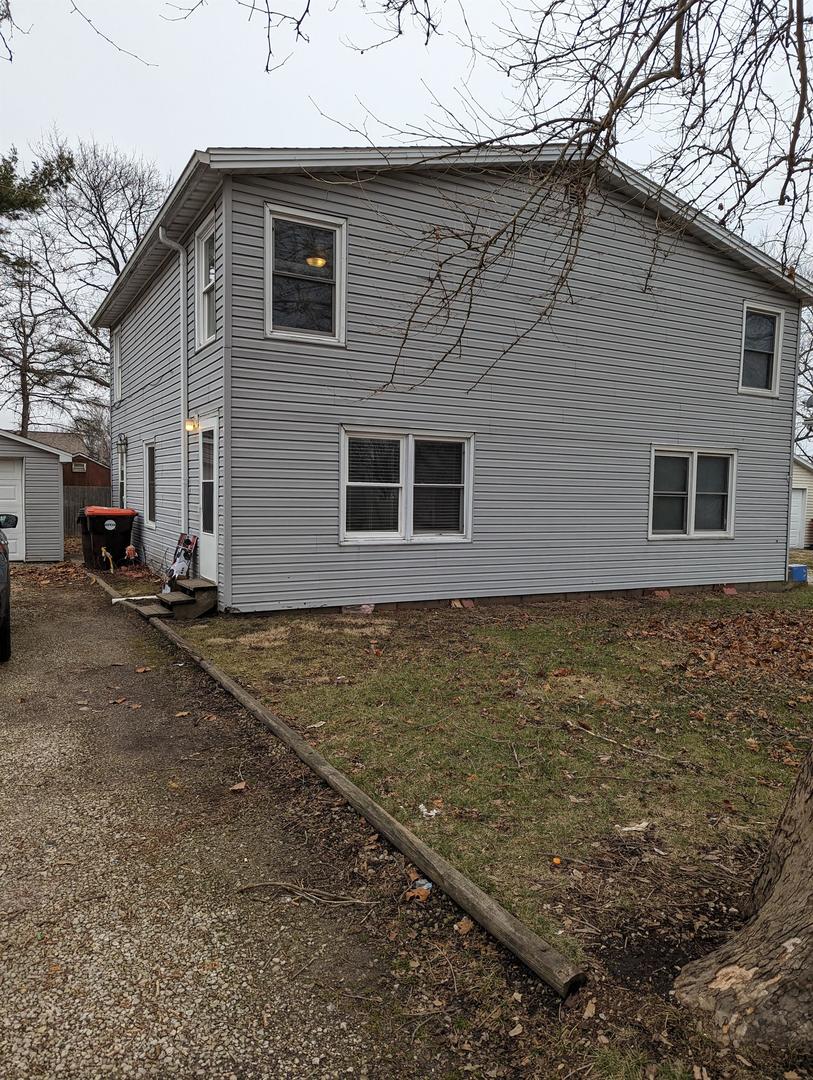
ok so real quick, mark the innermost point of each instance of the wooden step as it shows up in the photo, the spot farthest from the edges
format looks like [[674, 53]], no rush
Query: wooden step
[[195, 585], [175, 599], [149, 609]]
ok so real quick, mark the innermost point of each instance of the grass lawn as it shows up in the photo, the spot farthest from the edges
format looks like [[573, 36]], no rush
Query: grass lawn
[[610, 770]]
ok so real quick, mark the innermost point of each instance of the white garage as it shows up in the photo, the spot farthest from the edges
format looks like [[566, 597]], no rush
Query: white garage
[[801, 505], [31, 488]]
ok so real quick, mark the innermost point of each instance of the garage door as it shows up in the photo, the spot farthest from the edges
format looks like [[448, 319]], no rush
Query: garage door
[[11, 502], [798, 507]]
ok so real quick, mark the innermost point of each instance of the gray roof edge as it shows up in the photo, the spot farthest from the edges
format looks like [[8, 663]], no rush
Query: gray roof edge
[[63, 457], [296, 159], [198, 161]]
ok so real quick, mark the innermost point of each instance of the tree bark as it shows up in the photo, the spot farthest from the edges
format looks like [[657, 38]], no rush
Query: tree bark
[[758, 987]]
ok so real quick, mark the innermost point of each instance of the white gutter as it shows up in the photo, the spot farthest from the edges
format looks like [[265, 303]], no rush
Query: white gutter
[[182, 289]]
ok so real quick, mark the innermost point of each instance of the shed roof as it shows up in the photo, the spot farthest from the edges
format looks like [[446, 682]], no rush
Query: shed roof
[[69, 441], [206, 169], [63, 457]]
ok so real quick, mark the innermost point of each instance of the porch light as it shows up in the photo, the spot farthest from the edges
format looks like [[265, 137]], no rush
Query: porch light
[[317, 260], [191, 424]]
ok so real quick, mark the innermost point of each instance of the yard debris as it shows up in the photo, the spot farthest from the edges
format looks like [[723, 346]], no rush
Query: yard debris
[[590, 1010], [515, 1031], [464, 926], [437, 808], [307, 892], [141, 670], [642, 826], [420, 891], [239, 787]]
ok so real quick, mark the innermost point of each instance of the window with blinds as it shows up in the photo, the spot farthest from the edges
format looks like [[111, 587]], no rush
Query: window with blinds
[[405, 487]]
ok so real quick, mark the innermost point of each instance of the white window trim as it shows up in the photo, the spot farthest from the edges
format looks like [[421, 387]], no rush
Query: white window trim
[[319, 221], [779, 314], [79, 466], [121, 476], [405, 534], [115, 355], [204, 233], [148, 522], [692, 453]]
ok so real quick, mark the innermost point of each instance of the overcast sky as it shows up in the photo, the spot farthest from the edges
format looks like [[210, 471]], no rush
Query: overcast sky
[[202, 82], [207, 85]]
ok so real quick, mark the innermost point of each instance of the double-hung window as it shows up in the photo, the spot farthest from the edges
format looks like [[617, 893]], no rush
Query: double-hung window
[[405, 487], [761, 344], [149, 483], [115, 357], [304, 272], [692, 494], [205, 312]]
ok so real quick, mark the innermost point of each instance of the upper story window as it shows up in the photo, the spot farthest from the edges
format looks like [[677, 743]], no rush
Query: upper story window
[[305, 272], [692, 494], [405, 488], [761, 345], [115, 358], [205, 283]]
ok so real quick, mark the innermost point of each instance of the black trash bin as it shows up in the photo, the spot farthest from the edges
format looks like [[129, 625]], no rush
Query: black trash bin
[[105, 535]]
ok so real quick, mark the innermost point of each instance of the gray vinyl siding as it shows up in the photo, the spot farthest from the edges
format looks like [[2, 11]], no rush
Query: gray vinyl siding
[[42, 501], [150, 406], [563, 425]]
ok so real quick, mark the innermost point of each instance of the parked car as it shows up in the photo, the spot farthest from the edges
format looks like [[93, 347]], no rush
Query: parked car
[[7, 521]]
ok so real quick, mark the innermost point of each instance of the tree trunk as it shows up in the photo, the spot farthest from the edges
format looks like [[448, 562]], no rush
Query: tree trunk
[[758, 987]]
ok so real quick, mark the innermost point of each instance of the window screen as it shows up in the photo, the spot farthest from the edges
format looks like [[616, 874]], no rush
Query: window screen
[[670, 494], [207, 480], [759, 351], [711, 498], [303, 278], [373, 495], [150, 483], [437, 504]]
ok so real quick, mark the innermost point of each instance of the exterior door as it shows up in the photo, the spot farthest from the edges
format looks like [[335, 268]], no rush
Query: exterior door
[[797, 517], [11, 502], [209, 500]]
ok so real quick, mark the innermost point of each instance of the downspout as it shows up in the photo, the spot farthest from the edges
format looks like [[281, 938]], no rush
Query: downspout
[[182, 291]]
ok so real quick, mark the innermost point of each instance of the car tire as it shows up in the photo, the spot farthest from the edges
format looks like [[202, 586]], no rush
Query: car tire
[[5, 638]]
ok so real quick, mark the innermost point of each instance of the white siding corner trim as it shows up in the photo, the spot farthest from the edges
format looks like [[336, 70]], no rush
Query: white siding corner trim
[[691, 453], [405, 534], [319, 221]]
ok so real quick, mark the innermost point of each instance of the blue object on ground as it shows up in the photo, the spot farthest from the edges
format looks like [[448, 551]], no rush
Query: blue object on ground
[[797, 572]]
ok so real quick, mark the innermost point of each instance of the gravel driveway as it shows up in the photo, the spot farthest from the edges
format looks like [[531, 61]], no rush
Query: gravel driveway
[[126, 947]]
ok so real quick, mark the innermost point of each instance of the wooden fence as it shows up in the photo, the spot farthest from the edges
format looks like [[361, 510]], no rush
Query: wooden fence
[[77, 497]]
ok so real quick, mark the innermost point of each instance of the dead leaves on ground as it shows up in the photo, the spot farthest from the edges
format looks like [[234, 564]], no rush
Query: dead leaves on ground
[[771, 643]]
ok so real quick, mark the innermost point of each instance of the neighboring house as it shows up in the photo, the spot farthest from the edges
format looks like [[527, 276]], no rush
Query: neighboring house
[[31, 488], [82, 470], [801, 518], [265, 398]]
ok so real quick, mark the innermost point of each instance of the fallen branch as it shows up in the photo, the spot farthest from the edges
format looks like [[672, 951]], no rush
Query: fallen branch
[[626, 746], [313, 894]]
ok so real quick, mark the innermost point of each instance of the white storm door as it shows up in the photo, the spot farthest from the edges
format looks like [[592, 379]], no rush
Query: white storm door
[[209, 499], [11, 502], [797, 517]]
